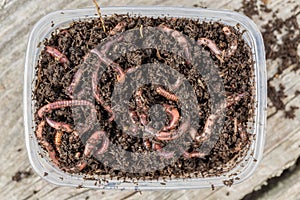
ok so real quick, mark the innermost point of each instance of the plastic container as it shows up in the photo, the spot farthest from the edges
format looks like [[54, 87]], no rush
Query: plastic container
[[63, 18]]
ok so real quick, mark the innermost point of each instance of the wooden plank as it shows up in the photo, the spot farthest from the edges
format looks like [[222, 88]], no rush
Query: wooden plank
[[290, 186], [17, 18]]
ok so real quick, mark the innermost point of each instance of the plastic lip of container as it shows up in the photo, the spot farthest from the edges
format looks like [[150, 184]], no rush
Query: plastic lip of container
[[61, 19]]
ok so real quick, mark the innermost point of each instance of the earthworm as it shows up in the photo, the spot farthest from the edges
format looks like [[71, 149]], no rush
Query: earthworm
[[75, 81], [139, 98], [213, 47], [193, 133], [57, 55], [213, 117], [210, 44], [166, 94], [104, 146], [142, 109], [147, 144], [60, 126], [143, 119], [118, 28], [116, 67], [177, 83], [194, 154], [92, 142], [182, 41], [173, 112], [62, 104], [230, 100], [150, 130], [134, 117], [235, 126], [183, 128], [207, 128], [243, 132], [39, 130], [157, 147], [45, 144], [89, 149], [98, 97], [77, 155], [165, 154], [233, 45], [57, 140], [64, 32]]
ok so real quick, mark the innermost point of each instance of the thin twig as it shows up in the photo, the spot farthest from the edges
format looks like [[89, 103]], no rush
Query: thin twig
[[99, 13], [141, 31]]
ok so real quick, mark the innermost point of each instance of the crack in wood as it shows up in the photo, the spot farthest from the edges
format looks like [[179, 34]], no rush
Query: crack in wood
[[273, 182]]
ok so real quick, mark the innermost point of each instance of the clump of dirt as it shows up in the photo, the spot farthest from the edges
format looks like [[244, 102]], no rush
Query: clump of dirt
[[20, 175], [178, 139]]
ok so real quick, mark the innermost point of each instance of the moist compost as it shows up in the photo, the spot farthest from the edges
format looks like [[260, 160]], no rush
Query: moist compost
[[158, 131]]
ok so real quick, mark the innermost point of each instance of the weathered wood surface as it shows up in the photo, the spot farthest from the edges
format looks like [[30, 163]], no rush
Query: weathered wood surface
[[17, 18]]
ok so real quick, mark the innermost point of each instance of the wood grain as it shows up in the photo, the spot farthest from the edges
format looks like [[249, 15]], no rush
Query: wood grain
[[17, 18]]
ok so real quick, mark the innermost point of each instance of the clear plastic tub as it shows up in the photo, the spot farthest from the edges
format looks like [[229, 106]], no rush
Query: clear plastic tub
[[252, 36]]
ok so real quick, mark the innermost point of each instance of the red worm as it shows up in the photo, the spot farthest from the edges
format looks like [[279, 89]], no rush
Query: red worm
[[92, 142], [194, 154], [213, 117], [143, 119], [210, 44], [243, 133], [57, 140], [139, 99], [116, 67], [147, 144], [45, 144], [57, 55], [75, 81], [118, 28], [183, 128], [233, 99], [89, 149], [173, 112], [104, 147], [142, 109], [193, 133], [213, 47], [62, 104], [165, 154], [182, 41], [207, 128], [60, 126], [98, 97], [157, 147], [166, 94], [176, 85], [233, 45], [134, 117]]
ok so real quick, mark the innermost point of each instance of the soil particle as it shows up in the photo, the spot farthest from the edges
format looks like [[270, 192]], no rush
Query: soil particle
[[290, 114]]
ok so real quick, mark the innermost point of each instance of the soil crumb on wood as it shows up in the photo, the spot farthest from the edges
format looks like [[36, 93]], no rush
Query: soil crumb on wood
[[20, 175]]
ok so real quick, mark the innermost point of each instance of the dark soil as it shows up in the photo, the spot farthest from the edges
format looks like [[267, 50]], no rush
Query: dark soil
[[236, 73]]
